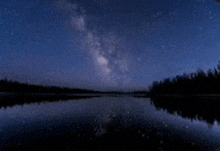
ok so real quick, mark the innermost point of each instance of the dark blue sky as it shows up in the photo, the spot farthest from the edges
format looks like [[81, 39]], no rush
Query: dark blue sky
[[106, 44]]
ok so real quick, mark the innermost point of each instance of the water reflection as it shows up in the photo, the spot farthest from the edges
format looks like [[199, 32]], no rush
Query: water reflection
[[194, 108], [104, 123], [9, 100]]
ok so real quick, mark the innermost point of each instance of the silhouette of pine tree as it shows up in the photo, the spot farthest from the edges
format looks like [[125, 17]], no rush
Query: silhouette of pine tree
[[193, 83]]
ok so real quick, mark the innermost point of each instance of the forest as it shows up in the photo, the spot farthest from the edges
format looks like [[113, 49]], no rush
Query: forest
[[17, 87], [199, 82]]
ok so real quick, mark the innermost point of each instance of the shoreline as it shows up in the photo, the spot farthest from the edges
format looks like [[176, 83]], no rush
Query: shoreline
[[105, 94], [208, 96], [45, 94], [15, 98], [2, 94]]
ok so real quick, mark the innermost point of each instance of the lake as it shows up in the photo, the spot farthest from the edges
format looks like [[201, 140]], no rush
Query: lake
[[103, 123]]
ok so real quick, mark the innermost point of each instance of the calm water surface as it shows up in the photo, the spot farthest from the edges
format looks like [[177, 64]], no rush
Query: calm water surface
[[104, 123]]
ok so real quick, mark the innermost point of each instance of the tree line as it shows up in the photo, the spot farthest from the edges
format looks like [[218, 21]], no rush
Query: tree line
[[199, 82], [14, 86]]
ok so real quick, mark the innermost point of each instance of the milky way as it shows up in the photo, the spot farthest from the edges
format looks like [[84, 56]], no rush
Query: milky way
[[106, 44], [107, 50]]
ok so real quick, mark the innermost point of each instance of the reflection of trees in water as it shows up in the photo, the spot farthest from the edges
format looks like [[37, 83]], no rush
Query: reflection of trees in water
[[20, 99], [13, 93], [207, 110]]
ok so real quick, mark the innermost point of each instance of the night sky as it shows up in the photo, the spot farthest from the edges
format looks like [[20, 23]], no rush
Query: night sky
[[107, 44]]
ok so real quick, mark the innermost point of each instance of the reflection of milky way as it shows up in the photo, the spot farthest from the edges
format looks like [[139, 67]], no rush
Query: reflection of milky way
[[107, 50]]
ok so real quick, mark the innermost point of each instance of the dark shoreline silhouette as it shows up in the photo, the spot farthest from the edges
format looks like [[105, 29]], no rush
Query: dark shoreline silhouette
[[7, 86], [189, 84], [17, 87], [16, 93], [195, 96], [12, 99]]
